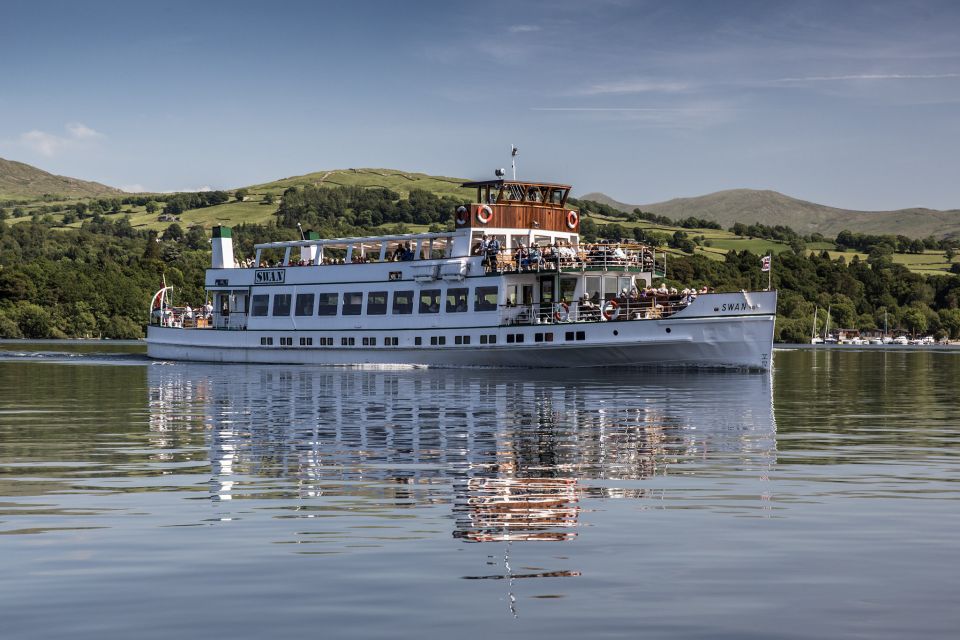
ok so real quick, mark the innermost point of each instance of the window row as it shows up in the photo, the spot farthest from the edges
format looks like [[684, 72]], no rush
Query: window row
[[435, 341], [453, 300]]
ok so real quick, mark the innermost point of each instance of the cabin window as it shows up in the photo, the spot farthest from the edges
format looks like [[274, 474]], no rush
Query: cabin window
[[591, 287], [377, 303], [304, 306], [403, 302], [457, 300], [281, 304], [328, 304], [609, 287], [352, 303], [260, 304], [430, 301], [485, 298]]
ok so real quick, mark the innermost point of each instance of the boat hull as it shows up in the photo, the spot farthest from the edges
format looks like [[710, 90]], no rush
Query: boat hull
[[742, 342]]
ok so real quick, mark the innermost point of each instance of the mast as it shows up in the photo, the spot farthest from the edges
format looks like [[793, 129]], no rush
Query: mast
[[826, 328], [813, 331], [513, 160]]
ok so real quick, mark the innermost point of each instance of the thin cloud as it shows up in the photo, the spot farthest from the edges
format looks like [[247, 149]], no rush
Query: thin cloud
[[633, 86], [50, 144], [690, 117], [524, 28], [873, 76]]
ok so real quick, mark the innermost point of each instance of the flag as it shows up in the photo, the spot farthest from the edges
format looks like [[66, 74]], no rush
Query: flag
[[765, 263]]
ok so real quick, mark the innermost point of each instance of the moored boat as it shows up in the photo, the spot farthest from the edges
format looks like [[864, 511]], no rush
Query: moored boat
[[511, 286]]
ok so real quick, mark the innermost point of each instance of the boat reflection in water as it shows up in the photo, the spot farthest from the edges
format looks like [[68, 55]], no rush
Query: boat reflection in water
[[514, 452]]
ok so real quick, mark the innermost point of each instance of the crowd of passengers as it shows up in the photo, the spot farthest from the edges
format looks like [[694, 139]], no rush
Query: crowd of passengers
[[561, 253], [648, 302], [536, 257], [186, 316], [403, 253]]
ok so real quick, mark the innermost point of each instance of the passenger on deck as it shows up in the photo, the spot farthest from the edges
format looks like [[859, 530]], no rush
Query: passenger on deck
[[536, 257], [521, 258]]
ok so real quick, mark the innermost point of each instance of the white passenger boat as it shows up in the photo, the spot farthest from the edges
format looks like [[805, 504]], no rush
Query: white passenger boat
[[437, 299]]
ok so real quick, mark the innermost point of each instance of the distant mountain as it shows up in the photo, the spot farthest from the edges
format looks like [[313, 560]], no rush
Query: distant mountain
[[772, 208], [19, 180]]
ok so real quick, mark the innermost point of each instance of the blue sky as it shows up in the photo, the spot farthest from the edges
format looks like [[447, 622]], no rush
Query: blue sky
[[852, 104]]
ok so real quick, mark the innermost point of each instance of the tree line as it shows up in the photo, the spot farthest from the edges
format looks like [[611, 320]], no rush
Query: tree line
[[96, 281]]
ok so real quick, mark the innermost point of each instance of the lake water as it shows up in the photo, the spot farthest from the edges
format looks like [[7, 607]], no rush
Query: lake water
[[157, 500]]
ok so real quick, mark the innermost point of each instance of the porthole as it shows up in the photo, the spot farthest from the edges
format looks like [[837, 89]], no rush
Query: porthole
[[668, 329], [615, 332]]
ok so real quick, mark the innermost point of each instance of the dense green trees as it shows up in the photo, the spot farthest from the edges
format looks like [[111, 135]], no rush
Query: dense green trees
[[97, 281]]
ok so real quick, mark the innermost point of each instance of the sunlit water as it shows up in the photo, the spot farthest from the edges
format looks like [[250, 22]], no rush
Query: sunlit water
[[158, 500]]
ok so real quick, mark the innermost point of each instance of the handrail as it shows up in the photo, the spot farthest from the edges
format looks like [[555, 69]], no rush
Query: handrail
[[616, 310]]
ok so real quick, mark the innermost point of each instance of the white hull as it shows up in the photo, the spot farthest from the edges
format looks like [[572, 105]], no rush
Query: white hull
[[743, 342]]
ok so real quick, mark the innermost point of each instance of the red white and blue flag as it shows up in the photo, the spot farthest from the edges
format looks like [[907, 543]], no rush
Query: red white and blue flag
[[765, 263]]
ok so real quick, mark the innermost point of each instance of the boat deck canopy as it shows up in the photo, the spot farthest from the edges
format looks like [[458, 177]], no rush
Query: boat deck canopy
[[501, 191], [406, 237]]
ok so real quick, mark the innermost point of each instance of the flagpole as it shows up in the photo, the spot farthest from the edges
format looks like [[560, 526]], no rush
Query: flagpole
[[769, 272]]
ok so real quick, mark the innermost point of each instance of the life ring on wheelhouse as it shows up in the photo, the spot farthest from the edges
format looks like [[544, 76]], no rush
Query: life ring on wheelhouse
[[484, 214], [562, 317], [610, 310], [572, 219], [461, 216]]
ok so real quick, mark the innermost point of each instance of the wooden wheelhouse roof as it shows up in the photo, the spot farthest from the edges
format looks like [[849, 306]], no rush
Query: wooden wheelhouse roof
[[501, 182]]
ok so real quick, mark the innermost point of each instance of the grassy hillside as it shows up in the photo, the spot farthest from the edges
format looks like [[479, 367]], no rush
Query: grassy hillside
[[400, 181], [772, 208], [19, 180], [726, 207], [720, 242]]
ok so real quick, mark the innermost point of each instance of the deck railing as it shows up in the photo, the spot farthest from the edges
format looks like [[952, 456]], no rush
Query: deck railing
[[609, 311], [589, 257]]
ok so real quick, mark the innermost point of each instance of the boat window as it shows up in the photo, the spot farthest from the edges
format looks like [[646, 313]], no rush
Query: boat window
[[281, 304], [626, 283], [377, 303], [403, 302], [610, 287], [430, 301], [567, 288], [328, 304], [304, 305], [485, 298], [457, 300], [260, 304], [352, 303], [591, 287]]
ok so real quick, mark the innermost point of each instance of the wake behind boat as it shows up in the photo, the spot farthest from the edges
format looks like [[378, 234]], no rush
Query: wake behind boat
[[511, 286]]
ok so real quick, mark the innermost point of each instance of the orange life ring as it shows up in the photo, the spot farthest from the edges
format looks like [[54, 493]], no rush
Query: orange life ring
[[461, 215], [610, 310], [484, 214], [572, 219], [565, 315]]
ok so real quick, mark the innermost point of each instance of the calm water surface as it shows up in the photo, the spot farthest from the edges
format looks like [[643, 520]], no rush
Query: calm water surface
[[154, 500]]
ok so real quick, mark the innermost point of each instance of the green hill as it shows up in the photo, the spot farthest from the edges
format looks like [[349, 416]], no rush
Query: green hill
[[399, 181], [773, 208], [19, 180]]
